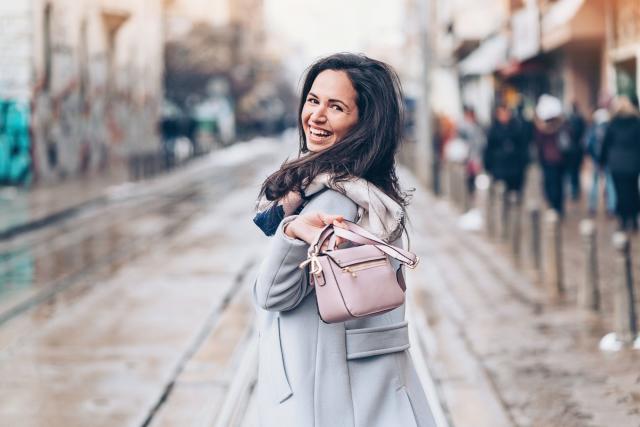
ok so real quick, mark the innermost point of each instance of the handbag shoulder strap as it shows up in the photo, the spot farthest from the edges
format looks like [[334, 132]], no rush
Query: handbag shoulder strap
[[357, 234]]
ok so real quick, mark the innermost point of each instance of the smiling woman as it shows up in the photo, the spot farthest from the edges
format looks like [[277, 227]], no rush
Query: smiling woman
[[330, 110], [355, 373]]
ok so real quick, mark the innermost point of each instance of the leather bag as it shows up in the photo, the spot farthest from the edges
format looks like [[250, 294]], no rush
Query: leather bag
[[357, 281]]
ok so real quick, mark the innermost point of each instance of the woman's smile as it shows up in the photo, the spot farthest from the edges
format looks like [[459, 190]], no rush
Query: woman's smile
[[318, 134]]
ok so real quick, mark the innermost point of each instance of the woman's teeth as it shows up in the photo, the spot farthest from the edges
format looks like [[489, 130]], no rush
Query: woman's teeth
[[320, 133]]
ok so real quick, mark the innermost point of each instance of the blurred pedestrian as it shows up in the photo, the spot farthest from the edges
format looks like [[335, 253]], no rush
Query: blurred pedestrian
[[593, 143], [552, 140], [470, 131], [312, 373], [575, 152], [621, 154], [506, 152], [443, 133], [526, 124]]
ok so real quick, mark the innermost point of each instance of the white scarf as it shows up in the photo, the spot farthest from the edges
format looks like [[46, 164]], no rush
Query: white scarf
[[377, 212]]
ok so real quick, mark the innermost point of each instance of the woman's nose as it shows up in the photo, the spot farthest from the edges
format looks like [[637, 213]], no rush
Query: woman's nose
[[319, 114]]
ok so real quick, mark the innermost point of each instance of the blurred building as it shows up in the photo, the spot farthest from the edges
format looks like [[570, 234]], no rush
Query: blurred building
[[80, 85], [623, 46], [220, 72], [581, 51], [429, 44]]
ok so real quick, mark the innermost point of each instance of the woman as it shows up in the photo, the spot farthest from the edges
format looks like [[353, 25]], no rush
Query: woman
[[621, 155], [356, 373]]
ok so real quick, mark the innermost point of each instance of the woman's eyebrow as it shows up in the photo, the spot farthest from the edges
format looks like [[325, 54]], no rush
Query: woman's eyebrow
[[331, 100]]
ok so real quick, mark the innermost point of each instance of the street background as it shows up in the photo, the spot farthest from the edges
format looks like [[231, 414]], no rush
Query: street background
[[134, 136]]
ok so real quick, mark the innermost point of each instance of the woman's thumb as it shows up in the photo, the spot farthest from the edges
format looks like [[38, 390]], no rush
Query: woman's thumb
[[329, 219]]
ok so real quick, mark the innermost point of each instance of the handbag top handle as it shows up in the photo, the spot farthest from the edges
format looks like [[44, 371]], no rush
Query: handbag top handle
[[357, 234]]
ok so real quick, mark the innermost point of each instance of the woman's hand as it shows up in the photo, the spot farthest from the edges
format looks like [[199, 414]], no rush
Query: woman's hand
[[307, 226]]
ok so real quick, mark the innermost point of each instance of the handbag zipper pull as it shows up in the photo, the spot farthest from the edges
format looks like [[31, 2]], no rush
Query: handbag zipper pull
[[348, 270]]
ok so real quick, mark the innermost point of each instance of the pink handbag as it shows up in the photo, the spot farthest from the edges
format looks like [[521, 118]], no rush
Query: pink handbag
[[357, 281]]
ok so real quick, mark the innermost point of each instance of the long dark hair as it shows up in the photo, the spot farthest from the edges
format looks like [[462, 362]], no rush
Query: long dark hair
[[368, 149]]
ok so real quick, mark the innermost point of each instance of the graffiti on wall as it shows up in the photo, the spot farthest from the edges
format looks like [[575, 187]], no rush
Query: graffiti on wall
[[79, 130], [75, 102], [15, 158], [77, 135]]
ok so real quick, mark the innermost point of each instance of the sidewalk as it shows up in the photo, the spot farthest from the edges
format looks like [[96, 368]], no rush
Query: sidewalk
[[501, 354]]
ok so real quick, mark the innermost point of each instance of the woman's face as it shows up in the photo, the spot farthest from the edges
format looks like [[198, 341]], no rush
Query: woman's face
[[329, 111]]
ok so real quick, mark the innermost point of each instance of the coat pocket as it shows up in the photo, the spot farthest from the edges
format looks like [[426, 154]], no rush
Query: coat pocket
[[377, 340], [279, 386]]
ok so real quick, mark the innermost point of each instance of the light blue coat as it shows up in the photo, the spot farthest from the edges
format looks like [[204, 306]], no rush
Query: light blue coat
[[312, 374]]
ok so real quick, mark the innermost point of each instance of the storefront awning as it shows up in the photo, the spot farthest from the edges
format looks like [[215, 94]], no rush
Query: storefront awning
[[489, 56], [572, 20]]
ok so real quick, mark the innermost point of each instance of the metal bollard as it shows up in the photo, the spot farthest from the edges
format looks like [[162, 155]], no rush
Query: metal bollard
[[505, 229], [450, 181], [626, 326], [500, 202], [455, 184], [588, 292], [536, 247], [452, 187], [555, 277], [462, 190], [514, 226], [466, 195], [490, 209]]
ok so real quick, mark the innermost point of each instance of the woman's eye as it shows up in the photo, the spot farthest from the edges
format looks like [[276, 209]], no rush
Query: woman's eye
[[337, 107], [312, 100]]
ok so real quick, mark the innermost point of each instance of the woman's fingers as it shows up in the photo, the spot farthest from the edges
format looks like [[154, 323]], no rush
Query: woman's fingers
[[340, 223], [329, 219]]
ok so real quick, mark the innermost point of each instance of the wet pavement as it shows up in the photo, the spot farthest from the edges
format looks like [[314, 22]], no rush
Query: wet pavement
[[139, 314], [107, 352]]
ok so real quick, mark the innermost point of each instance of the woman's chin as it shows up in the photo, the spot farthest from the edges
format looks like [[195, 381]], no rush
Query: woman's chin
[[315, 147]]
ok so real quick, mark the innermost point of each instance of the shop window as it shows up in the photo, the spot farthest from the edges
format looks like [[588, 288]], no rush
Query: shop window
[[626, 72]]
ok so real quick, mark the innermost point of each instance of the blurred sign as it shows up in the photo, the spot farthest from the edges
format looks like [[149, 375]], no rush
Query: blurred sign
[[525, 33]]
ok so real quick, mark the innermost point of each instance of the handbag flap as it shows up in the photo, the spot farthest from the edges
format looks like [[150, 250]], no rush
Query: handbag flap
[[355, 255]]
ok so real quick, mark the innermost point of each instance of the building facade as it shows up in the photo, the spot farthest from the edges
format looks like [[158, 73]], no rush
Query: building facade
[[560, 47], [80, 86], [623, 46]]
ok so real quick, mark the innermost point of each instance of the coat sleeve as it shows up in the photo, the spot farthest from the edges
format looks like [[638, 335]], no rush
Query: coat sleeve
[[281, 285]]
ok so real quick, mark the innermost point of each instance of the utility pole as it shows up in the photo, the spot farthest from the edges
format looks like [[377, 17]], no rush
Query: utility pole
[[425, 159]]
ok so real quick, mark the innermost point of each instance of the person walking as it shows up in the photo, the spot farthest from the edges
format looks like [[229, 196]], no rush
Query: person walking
[[356, 373], [506, 152], [593, 143], [575, 152], [552, 140], [621, 155]]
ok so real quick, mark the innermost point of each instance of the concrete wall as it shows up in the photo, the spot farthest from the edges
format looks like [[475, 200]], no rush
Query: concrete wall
[[88, 74]]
